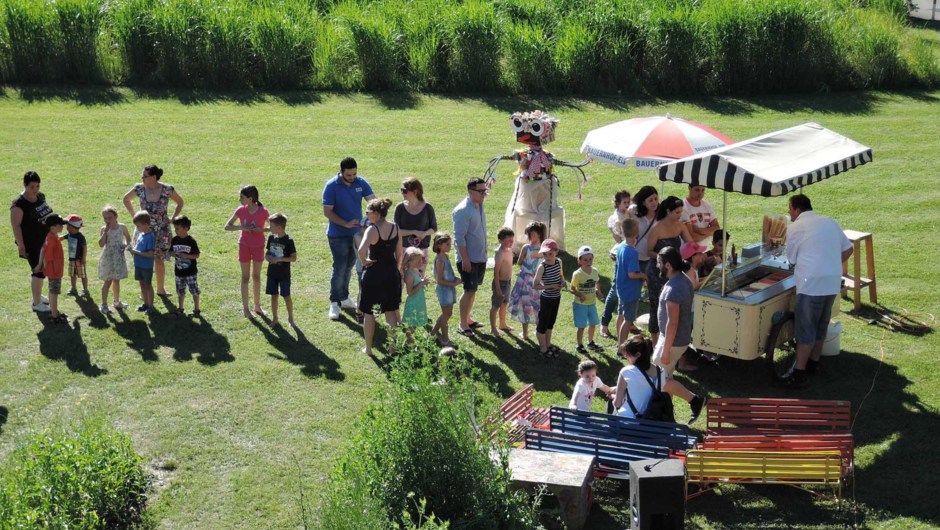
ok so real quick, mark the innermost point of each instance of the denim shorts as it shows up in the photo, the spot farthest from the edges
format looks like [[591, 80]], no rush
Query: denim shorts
[[812, 317], [472, 279], [143, 275], [584, 315], [628, 309]]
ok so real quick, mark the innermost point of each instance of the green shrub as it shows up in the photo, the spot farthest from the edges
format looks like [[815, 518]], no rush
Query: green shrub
[[418, 442], [283, 43], [34, 42], [379, 48], [620, 44], [669, 64], [134, 30], [573, 57], [529, 66], [85, 477]]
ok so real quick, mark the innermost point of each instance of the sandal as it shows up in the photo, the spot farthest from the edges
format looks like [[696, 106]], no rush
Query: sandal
[[475, 325], [554, 351], [466, 332], [195, 313]]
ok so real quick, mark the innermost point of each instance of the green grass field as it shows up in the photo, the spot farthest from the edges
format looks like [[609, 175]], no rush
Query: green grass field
[[236, 419]]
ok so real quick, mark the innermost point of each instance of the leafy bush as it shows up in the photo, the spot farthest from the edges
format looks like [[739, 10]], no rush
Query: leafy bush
[[84, 477], [283, 43], [473, 35], [418, 442]]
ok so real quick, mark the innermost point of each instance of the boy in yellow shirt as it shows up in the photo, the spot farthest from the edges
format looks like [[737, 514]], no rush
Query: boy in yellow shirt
[[584, 286]]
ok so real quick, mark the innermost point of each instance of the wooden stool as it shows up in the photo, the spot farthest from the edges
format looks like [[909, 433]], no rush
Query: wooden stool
[[856, 282]]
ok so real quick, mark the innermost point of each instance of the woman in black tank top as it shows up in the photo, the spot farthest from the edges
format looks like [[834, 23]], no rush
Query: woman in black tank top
[[380, 252], [28, 214]]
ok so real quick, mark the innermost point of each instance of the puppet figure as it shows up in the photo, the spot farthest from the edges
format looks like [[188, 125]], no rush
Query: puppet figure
[[535, 196]]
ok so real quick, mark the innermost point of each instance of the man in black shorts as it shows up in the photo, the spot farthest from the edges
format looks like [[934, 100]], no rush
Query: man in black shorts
[[470, 238]]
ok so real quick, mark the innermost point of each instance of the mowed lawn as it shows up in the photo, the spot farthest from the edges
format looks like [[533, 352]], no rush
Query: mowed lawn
[[239, 421]]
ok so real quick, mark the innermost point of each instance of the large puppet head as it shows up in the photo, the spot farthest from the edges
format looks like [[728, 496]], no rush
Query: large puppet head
[[533, 128]]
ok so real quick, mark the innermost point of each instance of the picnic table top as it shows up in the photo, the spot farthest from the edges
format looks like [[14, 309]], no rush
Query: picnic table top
[[552, 469]]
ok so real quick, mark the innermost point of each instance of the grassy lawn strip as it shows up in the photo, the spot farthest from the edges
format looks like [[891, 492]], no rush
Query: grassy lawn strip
[[233, 416]]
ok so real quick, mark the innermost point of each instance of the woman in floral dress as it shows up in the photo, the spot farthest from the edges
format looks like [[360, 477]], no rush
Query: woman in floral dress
[[155, 199]]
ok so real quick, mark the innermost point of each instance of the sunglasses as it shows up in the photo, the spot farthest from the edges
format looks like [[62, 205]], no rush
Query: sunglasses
[[481, 192]]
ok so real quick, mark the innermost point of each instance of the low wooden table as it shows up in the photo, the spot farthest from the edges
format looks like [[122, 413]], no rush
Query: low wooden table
[[568, 477]]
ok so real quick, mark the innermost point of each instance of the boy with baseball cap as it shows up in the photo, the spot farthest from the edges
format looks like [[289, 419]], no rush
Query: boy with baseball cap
[[584, 286], [78, 253]]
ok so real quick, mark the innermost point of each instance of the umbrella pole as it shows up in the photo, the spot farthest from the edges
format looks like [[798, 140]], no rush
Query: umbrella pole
[[724, 238]]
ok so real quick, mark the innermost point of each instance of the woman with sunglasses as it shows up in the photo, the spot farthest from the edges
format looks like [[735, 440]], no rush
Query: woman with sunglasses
[[415, 217]]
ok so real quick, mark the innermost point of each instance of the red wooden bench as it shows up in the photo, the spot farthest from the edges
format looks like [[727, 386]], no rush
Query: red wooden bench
[[776, 442], [740, 416], [518, 414]]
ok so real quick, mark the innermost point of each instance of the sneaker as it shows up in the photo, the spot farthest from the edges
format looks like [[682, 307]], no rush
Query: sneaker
[[150, 310], [61, 319], [593, 346], [334, 311], [105, 310], [348, 303], [697, 404], [84, 292], [796, 379], [142, 308], [43, 300], [119, 305], [71, 292], [41, 308], [581, 349]]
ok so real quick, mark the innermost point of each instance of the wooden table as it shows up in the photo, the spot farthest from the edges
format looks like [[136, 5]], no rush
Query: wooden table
[[566, 476]]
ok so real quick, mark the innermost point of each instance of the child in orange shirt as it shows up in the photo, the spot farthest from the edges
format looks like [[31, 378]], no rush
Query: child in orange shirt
[[52, 265]]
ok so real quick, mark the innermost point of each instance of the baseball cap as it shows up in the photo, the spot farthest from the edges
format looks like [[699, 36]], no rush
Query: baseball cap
[[584, 251], [547, 245], [74, 220], [691, 248]]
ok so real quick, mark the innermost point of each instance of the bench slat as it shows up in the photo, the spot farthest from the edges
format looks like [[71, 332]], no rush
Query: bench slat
[[613, 456], [756, 415], [595, 424], [771, 467]]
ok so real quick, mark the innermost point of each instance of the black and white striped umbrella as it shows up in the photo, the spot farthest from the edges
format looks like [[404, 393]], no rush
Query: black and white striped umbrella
[[773, 164]]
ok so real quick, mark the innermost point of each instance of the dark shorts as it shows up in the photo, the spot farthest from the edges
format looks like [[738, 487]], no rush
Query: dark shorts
[[548, 312], [144, 276], [278, 285], [500, 300], [32, 257], [472, 279], [812, 317]]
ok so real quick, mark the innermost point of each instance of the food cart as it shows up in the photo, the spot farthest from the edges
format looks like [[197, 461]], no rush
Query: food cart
[[745, 310]]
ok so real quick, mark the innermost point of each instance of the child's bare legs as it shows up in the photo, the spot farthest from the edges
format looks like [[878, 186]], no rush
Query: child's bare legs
[[115, 292], [591, 330], [256, 285], [525, 331], [502, 318], [53, 305], [274, 321], [182, 305], [73, 279], [441, 326], [580, 336], [289, 304], [104, 292], [84, 282], [196, 302], [246, 277], [494, 310], [146, 293]]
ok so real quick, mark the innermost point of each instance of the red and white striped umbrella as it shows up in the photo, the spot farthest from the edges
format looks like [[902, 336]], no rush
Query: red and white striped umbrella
[[645, 143]]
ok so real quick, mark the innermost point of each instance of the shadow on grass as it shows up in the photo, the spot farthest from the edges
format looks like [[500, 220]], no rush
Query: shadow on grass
[[136, 334], [4, 413], [889, 319], [189, 336], [91, 311], [298, 350], [64, 342], [89, 96], [894, 432]]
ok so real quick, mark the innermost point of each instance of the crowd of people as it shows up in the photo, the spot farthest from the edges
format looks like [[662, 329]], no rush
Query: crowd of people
[[659, 247]]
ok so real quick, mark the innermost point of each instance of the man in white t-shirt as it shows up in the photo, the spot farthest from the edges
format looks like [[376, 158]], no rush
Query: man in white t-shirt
[[816, 249], [699, 216]]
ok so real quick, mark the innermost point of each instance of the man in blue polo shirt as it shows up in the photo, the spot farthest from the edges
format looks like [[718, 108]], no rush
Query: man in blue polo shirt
[[342, 206]]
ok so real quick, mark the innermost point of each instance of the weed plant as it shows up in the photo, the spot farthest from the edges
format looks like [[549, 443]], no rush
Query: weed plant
[[419, 441], [83, 476]]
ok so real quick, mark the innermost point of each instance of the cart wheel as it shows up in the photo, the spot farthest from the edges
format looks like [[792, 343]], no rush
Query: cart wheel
[[781, 346]]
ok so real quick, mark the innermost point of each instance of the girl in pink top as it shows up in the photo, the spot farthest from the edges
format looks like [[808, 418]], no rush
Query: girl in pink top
[[252, 220]]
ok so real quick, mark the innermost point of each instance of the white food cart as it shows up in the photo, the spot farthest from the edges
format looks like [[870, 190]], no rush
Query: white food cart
[[746, 310]]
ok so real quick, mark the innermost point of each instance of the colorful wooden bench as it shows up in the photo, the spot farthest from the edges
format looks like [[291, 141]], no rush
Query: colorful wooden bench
[[674, 436], [843, 443], [738, 416], [711, 468], [518, 414], [613, 456]]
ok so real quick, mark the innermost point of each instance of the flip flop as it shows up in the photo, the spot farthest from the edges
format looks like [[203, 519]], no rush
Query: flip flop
[[475, 325], [466, 332]]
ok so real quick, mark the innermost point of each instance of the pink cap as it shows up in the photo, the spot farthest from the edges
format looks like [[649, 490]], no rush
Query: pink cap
[[691, 248], [547, 245]]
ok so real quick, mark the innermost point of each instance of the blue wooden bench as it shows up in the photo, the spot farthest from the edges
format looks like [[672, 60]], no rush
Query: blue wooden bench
[[613, 456], [657, 433]]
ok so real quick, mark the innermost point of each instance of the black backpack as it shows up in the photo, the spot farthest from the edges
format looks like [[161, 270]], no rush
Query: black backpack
[[659, 407]]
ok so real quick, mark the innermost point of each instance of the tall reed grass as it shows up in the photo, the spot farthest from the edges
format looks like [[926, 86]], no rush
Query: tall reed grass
[[660, 47]]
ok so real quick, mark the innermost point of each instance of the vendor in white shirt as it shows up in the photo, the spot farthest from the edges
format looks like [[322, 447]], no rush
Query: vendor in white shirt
[[699, 216], [816, 248]]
